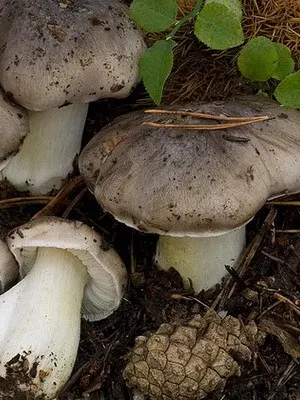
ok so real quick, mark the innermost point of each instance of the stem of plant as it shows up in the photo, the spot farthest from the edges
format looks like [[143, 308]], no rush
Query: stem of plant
[[185, 19]]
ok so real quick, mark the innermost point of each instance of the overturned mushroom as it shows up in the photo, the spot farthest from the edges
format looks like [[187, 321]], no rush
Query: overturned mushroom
[[56, 57], [66, 264], [197, 190]]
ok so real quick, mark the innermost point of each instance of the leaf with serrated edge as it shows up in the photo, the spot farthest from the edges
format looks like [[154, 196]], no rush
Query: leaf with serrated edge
[[288, 91], [258, 59], [286, 64], [218, 27], [155, 67], [153, 15]]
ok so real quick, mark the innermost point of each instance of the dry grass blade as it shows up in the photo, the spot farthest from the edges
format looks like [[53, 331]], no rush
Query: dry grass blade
[[276, 19], [245, 260], [178, 296], [287, 230], [186, 6], [205, 116], [290, 371], [284, 203], [289, 344], [78, 372], [21, 201], [287, 301], [74, 202], [98, 384], [204, 127], [200, 73], [58, 202]]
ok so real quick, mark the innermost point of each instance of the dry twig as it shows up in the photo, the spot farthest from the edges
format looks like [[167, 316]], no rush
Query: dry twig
[[57, 203], [245, 260], [24, 201]]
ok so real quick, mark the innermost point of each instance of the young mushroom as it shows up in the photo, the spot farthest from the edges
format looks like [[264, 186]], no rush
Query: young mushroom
[[65, 267], [196, 189], [56, 57]]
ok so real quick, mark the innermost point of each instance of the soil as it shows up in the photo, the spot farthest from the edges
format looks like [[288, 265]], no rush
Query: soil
[[268, 287]]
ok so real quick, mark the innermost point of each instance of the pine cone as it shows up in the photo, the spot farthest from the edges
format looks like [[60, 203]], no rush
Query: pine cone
[[189, 361]]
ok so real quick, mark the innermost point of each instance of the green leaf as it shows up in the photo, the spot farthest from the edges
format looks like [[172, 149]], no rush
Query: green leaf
[[218, 26], [286, 64], [153, 15], [288, 91], [155, 67], [258, 59], [234, 5]]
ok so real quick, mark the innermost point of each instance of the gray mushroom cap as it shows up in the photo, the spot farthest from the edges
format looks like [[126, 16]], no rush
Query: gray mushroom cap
[[14, 127], [194, 183], [58, 52]]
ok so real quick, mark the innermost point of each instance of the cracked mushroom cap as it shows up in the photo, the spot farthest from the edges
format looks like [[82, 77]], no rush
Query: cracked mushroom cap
[[54, 53], [107, 274], [14, 128], [183, 182]]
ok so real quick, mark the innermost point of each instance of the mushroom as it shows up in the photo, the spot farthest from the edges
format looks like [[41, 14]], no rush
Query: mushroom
[[197, 190], [8, 268], [14, 128], [62, 264], [56, 56]]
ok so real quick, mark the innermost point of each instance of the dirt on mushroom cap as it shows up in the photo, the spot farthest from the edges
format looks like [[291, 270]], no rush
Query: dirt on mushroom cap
[[67, 52], [188, 183]]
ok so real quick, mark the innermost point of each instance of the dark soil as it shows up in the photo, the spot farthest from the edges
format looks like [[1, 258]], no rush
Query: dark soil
[[154, 296]]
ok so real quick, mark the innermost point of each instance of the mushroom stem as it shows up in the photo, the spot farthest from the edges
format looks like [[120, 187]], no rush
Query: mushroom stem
[[47, 154], [201, 259], [40, 326]]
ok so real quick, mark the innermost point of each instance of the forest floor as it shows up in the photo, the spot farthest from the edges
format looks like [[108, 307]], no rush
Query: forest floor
[[266, 283]]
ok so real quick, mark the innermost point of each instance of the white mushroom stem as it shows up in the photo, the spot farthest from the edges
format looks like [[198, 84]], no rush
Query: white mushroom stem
[[201, 259], [47, 154], [40, 325]]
